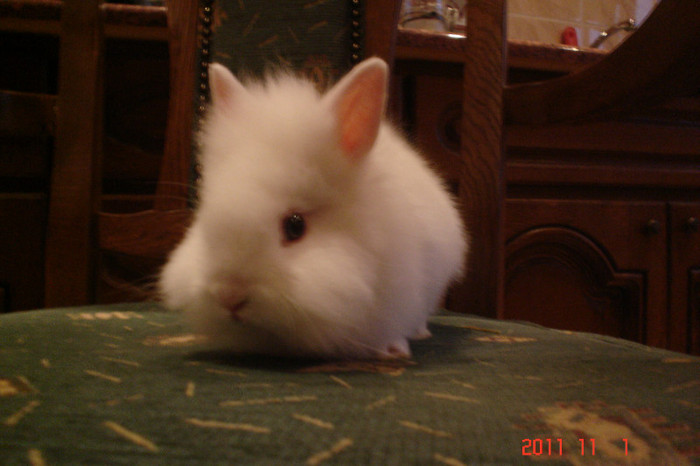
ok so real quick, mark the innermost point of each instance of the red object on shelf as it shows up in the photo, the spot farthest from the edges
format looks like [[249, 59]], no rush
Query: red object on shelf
[[569, 36]]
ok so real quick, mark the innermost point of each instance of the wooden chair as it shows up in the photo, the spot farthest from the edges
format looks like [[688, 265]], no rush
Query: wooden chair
[[75, 178], [476, 175], [78, 228], [27, 121], [481, 183]]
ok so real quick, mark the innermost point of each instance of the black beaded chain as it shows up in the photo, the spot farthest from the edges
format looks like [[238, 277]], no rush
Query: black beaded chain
[[202, 99], [357, 32], [204, 55]]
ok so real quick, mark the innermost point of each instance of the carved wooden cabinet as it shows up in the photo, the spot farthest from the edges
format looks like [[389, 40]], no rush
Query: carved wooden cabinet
[[622, 268], [588, 265], [684, 276], [601, 219]]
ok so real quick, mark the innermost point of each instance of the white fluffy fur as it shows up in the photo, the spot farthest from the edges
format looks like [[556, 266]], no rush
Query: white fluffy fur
[[383, 241]]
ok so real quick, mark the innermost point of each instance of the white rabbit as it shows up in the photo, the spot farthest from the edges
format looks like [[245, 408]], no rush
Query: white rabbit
[[319, 230]]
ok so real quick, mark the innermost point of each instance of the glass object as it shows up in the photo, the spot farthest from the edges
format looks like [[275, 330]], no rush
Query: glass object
[[432, 15]]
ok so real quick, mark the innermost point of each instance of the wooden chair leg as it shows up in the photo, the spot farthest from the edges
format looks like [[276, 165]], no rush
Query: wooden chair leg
[[481, 182], [76, 174], [172, 190]]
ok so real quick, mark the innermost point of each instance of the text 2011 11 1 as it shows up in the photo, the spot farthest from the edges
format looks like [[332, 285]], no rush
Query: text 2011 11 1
[[555, 447]]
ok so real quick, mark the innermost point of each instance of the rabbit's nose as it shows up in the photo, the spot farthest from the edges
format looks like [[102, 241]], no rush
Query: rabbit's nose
[[232, 295]]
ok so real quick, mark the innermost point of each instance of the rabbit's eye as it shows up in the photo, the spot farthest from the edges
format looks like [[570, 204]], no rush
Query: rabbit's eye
[[294, 227]]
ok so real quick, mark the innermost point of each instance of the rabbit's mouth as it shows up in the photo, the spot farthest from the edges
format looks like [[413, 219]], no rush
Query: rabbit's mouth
[[236, 309]]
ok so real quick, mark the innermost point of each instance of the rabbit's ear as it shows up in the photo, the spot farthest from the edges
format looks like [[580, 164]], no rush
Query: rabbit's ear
[[357, 101], [225, 88]]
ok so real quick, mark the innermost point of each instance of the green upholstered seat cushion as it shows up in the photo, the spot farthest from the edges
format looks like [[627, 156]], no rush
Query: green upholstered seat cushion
[[129, 384]]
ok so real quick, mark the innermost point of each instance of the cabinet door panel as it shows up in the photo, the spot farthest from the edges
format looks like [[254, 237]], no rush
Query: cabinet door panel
[[588, 266], [684, 306]]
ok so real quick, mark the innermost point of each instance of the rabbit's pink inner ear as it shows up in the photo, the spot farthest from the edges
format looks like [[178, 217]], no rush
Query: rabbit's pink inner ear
[[224, 86], [359, 110]]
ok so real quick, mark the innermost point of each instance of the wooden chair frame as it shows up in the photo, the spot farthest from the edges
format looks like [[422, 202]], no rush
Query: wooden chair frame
[[77, 227]]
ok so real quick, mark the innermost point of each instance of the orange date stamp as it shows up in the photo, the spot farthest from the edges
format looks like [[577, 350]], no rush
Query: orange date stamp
[[555, 447]]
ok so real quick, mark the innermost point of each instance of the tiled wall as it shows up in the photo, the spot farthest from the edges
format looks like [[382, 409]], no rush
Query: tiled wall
[[544, 20]]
